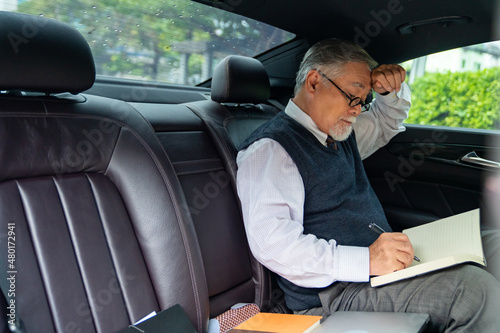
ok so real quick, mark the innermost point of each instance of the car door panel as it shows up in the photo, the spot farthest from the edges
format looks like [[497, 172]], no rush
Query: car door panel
[[419, 176]]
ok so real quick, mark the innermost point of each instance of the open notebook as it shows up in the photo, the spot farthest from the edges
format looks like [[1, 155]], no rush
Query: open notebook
[[440, 244]]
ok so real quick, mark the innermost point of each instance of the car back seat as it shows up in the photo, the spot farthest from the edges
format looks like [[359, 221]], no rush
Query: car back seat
[[239, 104], [99, 231], [202, 147]]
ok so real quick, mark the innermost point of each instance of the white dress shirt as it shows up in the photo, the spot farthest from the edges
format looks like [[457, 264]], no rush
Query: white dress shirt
[[272, 197]]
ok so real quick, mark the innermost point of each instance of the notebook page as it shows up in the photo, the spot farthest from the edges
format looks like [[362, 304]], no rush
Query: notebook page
[[447, 237]]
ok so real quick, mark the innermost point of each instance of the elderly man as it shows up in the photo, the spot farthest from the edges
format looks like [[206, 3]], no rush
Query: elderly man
[[307, 201]]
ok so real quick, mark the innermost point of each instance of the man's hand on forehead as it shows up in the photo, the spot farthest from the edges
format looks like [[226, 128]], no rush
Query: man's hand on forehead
[[387, 78]]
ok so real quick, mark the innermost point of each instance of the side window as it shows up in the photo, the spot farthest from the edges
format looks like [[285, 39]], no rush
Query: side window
[[456, 88]]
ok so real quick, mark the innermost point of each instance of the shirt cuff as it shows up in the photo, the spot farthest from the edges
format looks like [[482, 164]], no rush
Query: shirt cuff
[[398, 100], [353, 264]]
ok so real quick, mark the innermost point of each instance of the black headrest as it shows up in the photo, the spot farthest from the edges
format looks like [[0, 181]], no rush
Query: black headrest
[[239, 79], [43, 55]]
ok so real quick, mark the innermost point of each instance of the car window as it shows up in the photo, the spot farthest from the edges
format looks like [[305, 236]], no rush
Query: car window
[[173, 41], [456, 88]]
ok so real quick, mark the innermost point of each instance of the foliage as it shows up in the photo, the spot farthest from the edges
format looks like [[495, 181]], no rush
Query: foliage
[[460, 99]]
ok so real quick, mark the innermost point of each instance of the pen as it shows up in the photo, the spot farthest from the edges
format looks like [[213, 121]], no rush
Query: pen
[[379, 230]]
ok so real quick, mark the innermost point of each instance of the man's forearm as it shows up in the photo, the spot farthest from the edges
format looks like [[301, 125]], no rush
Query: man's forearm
[[375, 128]]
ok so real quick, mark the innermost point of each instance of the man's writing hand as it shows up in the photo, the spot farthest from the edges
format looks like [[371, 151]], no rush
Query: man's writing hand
[[392, 251], [387, 78]]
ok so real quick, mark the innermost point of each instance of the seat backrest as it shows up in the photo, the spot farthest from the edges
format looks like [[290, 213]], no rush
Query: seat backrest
[[239, 93], [211, 201], [103, 235]]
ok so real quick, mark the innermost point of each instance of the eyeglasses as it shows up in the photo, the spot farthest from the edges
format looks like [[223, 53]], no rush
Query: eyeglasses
[[365, 105]]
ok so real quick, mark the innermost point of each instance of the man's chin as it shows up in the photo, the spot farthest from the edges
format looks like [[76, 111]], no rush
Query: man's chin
[[341, 135]]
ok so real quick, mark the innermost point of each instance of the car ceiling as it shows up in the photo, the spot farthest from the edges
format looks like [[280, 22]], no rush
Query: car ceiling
[[376, 24]]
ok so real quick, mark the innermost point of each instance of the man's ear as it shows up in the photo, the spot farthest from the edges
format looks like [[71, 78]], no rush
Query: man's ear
[[312, 80]]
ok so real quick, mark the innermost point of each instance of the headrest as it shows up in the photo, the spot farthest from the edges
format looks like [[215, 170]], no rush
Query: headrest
[[240, 79], [43, 55]]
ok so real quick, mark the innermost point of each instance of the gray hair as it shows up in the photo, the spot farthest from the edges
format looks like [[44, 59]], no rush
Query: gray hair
[[334, 54]]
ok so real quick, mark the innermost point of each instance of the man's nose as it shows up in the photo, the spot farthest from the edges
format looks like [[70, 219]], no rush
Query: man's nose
[[355, 110]]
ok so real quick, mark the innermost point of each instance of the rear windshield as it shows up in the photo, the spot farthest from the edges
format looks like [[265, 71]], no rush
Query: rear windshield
[[169, 41]]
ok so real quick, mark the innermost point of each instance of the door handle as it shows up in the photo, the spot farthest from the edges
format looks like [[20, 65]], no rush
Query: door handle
[[472, 158]]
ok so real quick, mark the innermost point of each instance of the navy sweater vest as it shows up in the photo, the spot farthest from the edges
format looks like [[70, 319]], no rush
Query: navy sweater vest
[[339, 200]]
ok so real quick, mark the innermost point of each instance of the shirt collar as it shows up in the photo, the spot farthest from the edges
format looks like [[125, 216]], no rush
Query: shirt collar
[[296, 113]]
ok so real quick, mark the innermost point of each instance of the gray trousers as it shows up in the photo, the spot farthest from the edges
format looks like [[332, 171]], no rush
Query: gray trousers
[[464, 298]]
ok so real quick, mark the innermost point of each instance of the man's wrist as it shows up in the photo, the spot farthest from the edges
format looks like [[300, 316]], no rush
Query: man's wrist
[[353, 263], [398, 100]]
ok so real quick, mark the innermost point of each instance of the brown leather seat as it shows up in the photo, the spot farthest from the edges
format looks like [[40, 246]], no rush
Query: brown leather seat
[[103, 235]]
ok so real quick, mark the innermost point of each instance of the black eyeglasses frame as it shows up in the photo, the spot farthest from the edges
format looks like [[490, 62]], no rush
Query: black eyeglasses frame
[[365, 105]]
